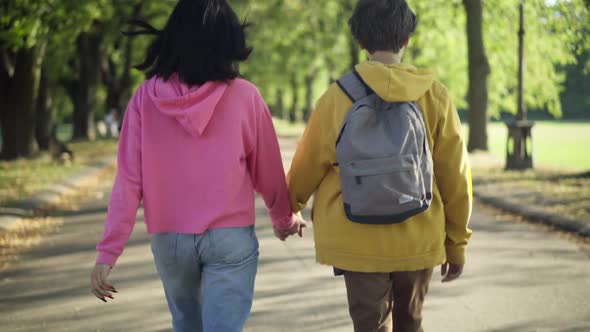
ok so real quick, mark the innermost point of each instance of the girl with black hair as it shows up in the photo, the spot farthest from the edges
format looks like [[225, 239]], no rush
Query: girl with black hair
[[196, 143]]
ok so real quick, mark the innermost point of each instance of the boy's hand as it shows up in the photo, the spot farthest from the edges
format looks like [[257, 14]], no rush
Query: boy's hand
[[451, 271], [101, 287], [297, 228]]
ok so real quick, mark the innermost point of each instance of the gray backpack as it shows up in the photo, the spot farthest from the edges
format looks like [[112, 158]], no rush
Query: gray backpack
[[384, 157]]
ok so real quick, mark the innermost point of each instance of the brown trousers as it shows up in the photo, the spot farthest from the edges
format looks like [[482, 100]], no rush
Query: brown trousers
[[386, 302]]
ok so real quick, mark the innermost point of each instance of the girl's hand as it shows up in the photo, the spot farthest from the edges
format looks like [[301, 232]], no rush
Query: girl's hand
[[101, 287], [297, 228]]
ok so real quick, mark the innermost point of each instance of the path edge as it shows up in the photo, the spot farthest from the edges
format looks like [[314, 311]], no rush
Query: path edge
[[14, 212], [536, 215]]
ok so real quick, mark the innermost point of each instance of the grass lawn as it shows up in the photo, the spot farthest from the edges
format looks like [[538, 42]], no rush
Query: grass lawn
[[561, 145], [22, 177], [564, 145]]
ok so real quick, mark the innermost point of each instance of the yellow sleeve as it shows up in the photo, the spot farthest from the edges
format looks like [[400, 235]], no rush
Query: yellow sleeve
[[311, 162], [453, 177]]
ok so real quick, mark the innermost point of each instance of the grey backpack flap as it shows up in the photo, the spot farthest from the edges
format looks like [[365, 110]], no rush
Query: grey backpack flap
[[384, 158]]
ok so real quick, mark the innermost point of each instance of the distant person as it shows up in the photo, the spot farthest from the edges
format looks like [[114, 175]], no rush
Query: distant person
[[385, 156], [102, 129], [196, 143], [112, 123]]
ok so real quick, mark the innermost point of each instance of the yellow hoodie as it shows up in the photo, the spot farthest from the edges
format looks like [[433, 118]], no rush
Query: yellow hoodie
[[438, 235]]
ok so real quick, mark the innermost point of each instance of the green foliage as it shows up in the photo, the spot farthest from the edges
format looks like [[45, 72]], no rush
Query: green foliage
[[295, 38], [156, 12], [550, 43], [575, 98], [440, 43], [554, 34], [25, 22]]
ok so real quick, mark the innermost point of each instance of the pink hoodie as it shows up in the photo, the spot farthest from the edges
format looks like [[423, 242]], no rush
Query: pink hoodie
[[195, 156]]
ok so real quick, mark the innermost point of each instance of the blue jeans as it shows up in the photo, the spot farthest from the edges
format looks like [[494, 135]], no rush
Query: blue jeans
[[208, 278]]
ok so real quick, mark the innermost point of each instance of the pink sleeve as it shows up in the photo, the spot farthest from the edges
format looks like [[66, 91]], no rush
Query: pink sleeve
[[127, 190], [266, 168]]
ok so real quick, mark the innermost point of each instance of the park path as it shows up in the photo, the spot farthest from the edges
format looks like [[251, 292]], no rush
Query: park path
[[519, 278]]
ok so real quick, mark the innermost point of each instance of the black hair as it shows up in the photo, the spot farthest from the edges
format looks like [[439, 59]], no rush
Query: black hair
[[202, 41], [383, 25]]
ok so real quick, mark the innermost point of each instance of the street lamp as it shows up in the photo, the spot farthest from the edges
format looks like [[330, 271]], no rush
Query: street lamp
[[519, 147]]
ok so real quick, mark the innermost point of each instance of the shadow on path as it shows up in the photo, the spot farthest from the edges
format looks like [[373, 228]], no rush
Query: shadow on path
[[519, 278]]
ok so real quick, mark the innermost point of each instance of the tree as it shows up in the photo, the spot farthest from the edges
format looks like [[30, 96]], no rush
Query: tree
[[27, 27], [90, 49], [44, 111], [553, 39], [117, 63], [22, 47], [19, 79], [299, 48], [479, 70]]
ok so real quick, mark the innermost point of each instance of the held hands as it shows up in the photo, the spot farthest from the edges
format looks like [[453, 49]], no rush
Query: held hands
[[297, 228], [451, 272], [101, 287]]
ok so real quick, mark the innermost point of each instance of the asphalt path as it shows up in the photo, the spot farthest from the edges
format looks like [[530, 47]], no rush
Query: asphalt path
[[519, 278]]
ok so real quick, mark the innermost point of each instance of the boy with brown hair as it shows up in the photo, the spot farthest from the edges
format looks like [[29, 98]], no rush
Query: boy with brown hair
[[385, 215]]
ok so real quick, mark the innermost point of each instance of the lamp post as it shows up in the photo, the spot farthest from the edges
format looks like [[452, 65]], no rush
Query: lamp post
[[519, 147]]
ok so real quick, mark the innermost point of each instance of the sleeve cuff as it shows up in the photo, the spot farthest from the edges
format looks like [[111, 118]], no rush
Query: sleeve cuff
[[106, 258], [455, 255], [297, 207], [283, 224]]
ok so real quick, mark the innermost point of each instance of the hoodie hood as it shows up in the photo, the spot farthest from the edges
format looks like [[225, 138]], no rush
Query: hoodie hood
[[396, 82], [192, 107]]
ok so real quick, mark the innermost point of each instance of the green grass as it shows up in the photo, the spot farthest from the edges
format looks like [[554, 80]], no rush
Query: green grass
[[23, 177], [555, 144]]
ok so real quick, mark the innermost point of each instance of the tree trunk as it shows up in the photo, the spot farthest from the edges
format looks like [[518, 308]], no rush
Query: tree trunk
[[295, 105], [72, 88], [6, 122], [479, 70], [44, 120], [18, 101], [111, 80], [89, 53], [309, 104], [119, 88]]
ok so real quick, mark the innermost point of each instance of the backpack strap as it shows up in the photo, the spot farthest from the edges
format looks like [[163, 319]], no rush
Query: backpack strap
[[354, 87]]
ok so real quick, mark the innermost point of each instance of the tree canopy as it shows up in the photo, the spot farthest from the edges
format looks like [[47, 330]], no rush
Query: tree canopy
[[295, 37], [300, 47]]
